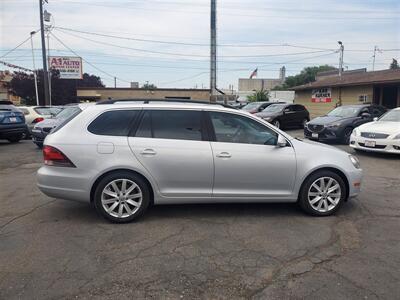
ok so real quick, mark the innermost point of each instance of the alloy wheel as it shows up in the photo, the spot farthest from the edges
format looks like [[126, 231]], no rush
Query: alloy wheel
[[121, 198], [277, 124], [324, 194]]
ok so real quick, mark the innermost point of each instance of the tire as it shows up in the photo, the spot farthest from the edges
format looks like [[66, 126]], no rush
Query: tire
[[108, 195], [15, 138], [276, 123], [326, 205], [346, 135]]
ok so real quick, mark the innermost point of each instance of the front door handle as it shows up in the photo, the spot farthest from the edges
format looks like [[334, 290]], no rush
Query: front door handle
[[224, 155], [148, 152]]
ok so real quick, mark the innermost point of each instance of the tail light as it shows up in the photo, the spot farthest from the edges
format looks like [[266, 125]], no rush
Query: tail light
[[37, 120], [54, 157]]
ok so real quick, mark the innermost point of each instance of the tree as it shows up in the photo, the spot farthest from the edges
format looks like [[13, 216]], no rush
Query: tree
[[63, 91], [394, 65], [149, 86], [261, 95], [306, 75]]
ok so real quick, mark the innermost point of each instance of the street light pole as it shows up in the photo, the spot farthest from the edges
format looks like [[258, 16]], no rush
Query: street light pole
[[45, 72], [341, 50], [34, 70], [213, 51]]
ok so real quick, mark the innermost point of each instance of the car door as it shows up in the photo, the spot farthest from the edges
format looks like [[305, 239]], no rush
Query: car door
[[289, 115], [172, 146], [247, 162]]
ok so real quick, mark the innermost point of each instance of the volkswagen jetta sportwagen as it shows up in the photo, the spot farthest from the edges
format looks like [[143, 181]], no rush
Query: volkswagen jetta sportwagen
[[123, 156]]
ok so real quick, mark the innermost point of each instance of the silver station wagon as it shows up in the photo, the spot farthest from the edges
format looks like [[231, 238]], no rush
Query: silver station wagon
[[124, 155]]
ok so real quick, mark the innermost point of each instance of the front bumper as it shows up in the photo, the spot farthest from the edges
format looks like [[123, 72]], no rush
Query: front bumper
[[38, 136], [324, 134], [355, 178], [381, 145]]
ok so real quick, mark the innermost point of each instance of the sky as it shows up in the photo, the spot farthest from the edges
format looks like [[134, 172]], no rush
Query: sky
[[166, 42]]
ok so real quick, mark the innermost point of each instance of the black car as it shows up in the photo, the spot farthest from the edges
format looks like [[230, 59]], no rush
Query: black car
[[12, 122], [255, 107], [285, 115], [339, 123]]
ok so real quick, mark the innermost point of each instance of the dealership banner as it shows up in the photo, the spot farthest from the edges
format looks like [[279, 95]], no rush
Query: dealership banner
[[68, 66], [321, 95]]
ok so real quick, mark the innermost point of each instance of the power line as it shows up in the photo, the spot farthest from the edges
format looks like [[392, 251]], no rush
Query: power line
[[89, 63], [16, 47]]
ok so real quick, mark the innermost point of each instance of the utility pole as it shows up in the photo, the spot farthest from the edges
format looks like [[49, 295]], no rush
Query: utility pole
[[48, 55], [45, 72], [34, 69], [341, 50], [373, 62], [213, 51], [115, 82]]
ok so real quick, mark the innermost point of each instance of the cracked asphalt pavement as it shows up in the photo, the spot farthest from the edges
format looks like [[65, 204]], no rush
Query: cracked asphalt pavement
[[58, 249]]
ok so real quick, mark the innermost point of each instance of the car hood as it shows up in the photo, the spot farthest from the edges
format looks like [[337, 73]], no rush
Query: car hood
[[381, 127], [48, 123], [324, 120]]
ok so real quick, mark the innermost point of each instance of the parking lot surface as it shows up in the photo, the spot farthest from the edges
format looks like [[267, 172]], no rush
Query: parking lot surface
[[57, 249]]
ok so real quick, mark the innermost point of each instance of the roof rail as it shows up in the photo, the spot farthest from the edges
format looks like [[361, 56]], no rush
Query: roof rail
[[147, 101]]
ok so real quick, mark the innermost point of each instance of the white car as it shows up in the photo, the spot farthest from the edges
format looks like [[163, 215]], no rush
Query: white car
[[382, 135], [36, 114]]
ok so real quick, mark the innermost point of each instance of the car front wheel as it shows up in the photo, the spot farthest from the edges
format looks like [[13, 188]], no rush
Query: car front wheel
[[121, 197], [276, 123], [322, 193]]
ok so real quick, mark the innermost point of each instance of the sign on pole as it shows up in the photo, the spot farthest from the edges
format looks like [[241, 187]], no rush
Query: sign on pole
[[323, 95], [69, 67]]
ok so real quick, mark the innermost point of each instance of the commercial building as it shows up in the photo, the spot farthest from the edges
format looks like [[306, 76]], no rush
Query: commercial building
[[98, 93], [5, 94], [359, 86]]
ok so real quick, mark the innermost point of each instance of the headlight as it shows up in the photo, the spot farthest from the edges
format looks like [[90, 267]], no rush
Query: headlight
[[354, 160], [397, 137], [356, 132], [333, 126]]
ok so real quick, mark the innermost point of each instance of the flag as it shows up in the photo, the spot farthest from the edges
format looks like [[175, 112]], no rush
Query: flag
[[254, 74]]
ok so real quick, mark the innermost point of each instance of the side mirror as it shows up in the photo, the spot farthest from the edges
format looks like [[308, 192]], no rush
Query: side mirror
[[365, 115], [281, 141], [376, 119]]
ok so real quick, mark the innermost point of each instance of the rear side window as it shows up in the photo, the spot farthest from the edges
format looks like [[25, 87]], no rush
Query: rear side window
[[171, 124], [114, 123]]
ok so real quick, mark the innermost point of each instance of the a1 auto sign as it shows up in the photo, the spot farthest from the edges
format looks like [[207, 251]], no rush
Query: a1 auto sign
[[69, 67], [321, 95]]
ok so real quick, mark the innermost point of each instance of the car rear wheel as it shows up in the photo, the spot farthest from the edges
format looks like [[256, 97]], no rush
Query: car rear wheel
[[276, 123], [121, 197], [303, 123], [322, 193], [15, 138]]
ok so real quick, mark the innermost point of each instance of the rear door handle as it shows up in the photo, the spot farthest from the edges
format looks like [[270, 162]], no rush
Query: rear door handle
[[148, 152], [224, 155]]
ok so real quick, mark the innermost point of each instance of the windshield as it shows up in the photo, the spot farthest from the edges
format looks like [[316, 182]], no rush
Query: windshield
[[391, 116], [274, 108], [67, 112], [344, 112], [251, 106]]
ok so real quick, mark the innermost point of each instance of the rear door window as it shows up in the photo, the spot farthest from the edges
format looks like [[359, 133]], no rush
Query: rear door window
[[113, 123], [171, 124]]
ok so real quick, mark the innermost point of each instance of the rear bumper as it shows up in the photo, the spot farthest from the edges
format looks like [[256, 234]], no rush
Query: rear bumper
[[63, 183], [381, 145], [12, 130]]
